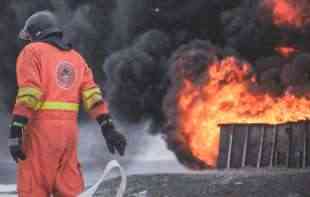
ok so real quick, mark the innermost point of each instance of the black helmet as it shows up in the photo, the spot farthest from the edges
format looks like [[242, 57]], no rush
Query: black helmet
[[40, 25]]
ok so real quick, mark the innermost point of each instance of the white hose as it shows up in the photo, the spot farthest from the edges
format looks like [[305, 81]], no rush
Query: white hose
[[122, 187], [7, 188]]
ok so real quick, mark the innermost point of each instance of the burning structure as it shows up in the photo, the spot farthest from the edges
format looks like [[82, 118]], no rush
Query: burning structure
[[223, 89]]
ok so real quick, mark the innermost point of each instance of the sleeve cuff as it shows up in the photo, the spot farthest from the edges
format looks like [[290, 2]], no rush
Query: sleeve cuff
[[98, 110], [22, 111]]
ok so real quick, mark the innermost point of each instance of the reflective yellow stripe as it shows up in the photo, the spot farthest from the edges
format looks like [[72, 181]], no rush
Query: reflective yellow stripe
[[28, 101], [28, 96], [29, 91], [89, 103], [47, 105], [91, 97], [90, 92]]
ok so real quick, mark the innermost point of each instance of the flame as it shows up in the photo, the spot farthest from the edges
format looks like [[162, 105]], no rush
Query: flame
[[286, 51], [224, 98], [286, 12]]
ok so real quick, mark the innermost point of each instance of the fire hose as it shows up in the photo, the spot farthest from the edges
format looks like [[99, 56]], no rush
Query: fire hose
[[122, 187]]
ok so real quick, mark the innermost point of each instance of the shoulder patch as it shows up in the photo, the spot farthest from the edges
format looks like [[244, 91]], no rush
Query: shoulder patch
[[65, 75]]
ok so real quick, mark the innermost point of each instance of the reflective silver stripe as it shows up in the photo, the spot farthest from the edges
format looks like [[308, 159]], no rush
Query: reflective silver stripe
[[105, 122], [13, 141], [18, 124]]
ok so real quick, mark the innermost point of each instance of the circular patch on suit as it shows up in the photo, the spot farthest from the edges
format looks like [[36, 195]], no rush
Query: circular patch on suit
[[65, 75]]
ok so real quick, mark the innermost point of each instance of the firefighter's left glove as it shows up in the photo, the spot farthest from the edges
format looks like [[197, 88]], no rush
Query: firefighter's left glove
[[115, 141], [16, 138]]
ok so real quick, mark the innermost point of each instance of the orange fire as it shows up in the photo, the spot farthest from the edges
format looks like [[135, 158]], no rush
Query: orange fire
[[225, 98], [286, 12], [286, 51]]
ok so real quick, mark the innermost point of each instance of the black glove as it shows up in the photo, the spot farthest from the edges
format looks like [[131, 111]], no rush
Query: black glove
[[15, 137], [114, 139]]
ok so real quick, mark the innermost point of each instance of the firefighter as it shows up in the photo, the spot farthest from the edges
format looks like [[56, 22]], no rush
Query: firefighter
[[52, 79]]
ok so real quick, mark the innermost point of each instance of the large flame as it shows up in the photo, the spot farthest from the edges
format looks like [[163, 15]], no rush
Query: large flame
[[225, 98]]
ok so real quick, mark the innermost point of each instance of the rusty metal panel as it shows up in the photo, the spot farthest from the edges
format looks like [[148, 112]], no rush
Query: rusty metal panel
[[262, 145], [267, 146], [245, 147], [224, 144], [274, 142], [282, 146], [232, 144], [253, 147], [297, 145], [237, 146]]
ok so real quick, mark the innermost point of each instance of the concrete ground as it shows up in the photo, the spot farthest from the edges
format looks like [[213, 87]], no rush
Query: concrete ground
[[244, 183]]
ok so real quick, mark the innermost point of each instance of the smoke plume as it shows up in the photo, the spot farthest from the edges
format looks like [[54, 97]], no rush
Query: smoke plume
[[134, 83]]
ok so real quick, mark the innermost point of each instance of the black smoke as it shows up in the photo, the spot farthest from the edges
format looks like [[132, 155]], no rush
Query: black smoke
[[251, 28], [8, 51], [134, 84]]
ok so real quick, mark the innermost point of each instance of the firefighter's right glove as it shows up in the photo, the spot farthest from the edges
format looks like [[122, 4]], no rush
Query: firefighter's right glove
[[115, 141], [16, 138]]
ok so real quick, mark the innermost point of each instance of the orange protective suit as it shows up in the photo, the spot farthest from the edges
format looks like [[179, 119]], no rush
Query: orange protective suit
[[51, 84]]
